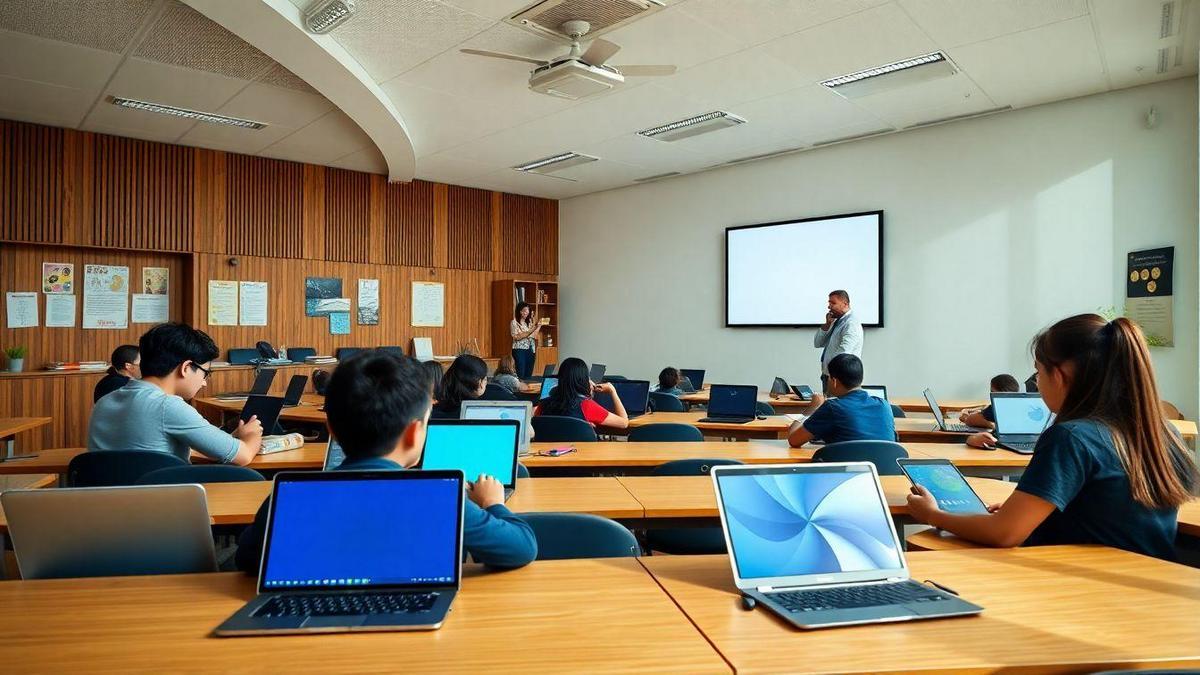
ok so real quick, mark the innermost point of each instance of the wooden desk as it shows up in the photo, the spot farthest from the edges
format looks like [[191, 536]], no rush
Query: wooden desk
[[624, 456], [605, 615], [950, 405], [773, 427], [1189, 518], [11, 426], [309, 409], [784, 404], [693, 496], [27, 481], [1061, 608]]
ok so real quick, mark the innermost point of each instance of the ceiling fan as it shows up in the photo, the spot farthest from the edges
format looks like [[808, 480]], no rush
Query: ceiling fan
[[578, 73]]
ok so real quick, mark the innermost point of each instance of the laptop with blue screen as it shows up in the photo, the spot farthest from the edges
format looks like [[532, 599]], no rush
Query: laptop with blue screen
[[474, 447], [1020, 420], [357, 551], [548, 385], [815, 544]]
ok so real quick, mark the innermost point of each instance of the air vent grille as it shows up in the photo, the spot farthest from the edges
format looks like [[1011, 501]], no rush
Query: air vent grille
[[546, 18]]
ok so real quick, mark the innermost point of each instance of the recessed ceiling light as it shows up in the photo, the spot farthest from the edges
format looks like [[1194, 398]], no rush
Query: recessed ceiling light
[[892, 75], [323, 16], [693, 126], [211, 118], [557, 162]]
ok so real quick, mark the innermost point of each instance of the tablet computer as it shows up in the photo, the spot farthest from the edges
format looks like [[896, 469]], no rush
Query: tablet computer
[[945, 482]]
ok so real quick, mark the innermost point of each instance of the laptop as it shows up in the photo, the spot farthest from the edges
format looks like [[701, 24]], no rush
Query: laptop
[[548, 384], [262, 384], [731, 403], [942, 425], [334, 455], [802, 391], [1020, 419], [596, 373], [267, 408], [521, 411], [780, 387], [634, 395], [815, 543], [110, 531], [369, 568], [295, 390], [693, 378], [876, 390], [474, 447], [548, 371]]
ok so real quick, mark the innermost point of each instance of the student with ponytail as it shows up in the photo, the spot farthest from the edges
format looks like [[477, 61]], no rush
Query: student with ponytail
[[1109, 471]]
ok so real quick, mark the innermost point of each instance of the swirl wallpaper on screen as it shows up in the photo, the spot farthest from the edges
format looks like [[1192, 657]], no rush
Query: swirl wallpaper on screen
[[807, 523]]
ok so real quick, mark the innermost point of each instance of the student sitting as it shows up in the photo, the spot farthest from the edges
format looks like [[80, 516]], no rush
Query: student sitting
[[126, 365], [152, 413], [573, 398], [851, 414], [377, 407], [464, 380], [668, 382], [435, 371], [985, 418], [1109, 471], [506, 375]]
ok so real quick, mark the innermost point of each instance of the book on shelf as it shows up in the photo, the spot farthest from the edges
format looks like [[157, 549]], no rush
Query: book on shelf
[[273, 444], [319, 359], [77, 365]]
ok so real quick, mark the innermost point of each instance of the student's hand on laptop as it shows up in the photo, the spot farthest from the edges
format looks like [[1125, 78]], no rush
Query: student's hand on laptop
[[248, 429], [982, 440], [486, 491], [921, 504]]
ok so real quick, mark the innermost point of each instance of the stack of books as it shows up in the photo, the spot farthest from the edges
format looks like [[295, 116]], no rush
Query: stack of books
[[319, 360], [77, 365], [273, 444]]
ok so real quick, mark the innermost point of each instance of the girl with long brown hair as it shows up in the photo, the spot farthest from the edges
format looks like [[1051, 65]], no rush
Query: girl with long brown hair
[[1109, 471]]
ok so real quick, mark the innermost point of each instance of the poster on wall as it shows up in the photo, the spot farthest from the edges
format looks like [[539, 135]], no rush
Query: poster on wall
[[58, 278], [253, 303], [222, 303], [156, 280], [323, 296], [428, 303], [105, 296], [339, 323], [60, 311], [1149, 294], [150, 308], [368, 302], [22, 310]]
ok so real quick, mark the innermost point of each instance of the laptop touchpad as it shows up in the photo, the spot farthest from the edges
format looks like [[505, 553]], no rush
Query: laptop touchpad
[[334, 621]]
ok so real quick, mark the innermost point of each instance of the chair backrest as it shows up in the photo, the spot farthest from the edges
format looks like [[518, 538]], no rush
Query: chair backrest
[[580, 535], [615, 378], [200, 473], [897, 411], [298, 354], [665, 432], [661, 402], [522, 471], [495, 392], [343, 353], [883, 454], [690, 467], [763, 408], [105, 468], [398, 351], [556, 429], [242, 357]]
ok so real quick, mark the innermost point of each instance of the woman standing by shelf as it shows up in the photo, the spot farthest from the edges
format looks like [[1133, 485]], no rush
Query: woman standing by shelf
[[524, 329]]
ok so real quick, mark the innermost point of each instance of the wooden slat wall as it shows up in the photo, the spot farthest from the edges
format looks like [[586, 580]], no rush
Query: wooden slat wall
[[348, 216], [469, 228], [142, 194], [523, 221], [264, 199], [31, 182], [405, 221]]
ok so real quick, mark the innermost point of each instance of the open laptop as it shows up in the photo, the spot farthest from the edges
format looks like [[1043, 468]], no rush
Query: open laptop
[[520, 411], [634, 395], [731, 403], [110, 531], [369, 568], [780, 387], [596, 373], [1020, 419], [876, 390], [942, 424], [693, 380], [295, 389], [262, 384], [548, 385], [815, 543], [474, 447], [267, 408], [334, 455]]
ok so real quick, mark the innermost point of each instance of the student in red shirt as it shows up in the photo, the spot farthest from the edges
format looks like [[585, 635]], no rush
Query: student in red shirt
[[573, 398]]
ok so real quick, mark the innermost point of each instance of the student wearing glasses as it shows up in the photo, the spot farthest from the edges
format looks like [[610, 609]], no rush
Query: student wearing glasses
[[153, 414]]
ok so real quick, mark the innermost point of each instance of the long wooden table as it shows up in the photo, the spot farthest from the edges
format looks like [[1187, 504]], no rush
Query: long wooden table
[[11, 426], [604, 615], [792, 403], [309, 409], [1060, 608]]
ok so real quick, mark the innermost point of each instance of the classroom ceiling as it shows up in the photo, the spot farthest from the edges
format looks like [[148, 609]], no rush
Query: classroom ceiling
[[470, 119]]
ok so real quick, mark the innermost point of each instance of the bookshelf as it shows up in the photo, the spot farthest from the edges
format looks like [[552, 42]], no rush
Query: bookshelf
[[543, 296]]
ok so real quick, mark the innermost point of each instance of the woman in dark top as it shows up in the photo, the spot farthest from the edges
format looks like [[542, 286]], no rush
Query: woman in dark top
[[126, 366], [573, 398], [1109, 471], [464, 380], [435, 371]]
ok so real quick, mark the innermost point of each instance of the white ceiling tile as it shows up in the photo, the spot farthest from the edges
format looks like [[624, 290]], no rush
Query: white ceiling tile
[[367, 160], [670, 37], [276, 106], [143, 132], [108, 25], [234, 139], [1053, 62], [27, 100], [804, 112], [926, 101], [602, 171], [651, 155], [869, 38], [952, 23], [524, 183], [764, 20], [181, 87], [492, 9], [436, 121], [333, 136], [31, 58], [446, 169], [512, 40], [729, 80], [1129, 32]]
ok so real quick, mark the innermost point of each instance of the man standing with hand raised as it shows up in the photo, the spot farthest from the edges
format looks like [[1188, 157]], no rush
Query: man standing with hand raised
[[841, 334]]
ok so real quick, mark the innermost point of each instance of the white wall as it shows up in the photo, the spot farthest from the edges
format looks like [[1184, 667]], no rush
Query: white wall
[[994, 228]]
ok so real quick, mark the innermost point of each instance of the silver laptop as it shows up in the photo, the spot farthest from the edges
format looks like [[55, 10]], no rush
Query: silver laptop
[[815, 543], [942, 425], [110, 531], [521, 411], [876, 390], [474, 447], [1020, 420], [342, 553]]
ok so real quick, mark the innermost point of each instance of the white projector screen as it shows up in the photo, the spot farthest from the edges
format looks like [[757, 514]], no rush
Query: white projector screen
[[809, 258]]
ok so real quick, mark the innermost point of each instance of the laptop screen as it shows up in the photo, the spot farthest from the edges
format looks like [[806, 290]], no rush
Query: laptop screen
[[780, 386], [1021, 414], [374, 531], [635, 396], [935, 409], [334, 455], [262, 381], [500, 410], [295, 389], [732, 400], [696, 377], [876, 390], [596, 374], [548, 384], [796, 521], [473, 446]]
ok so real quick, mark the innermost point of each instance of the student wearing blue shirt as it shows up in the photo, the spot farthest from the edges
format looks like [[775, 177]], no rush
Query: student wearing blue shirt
[[985, 418], [377, 406], [668, 382], [851, 414], [1110, 470]]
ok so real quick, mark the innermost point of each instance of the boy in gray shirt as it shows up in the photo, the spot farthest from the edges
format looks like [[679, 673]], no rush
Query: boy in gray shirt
[[153, 414]]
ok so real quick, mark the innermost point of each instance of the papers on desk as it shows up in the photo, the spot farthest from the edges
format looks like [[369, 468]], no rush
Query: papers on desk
[[796, 417]]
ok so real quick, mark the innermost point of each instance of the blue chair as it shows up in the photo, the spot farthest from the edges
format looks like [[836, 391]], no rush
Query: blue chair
[[883, 454], [897, 411], [561, 536], [556, 429], [615, 378], [763, 408], [665, 432], [494, 392], [344, 353], [522, 471], [108, 468], [688, 540], [661, 402], [200, 473], [242, 357], [298, 354]]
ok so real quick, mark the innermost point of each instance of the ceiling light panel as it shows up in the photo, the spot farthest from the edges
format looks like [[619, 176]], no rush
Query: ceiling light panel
[[693, 126], [211, 118], [906, 72], [557, 162]]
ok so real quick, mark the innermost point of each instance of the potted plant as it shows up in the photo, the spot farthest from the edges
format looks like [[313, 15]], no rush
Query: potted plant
[[16, 359]]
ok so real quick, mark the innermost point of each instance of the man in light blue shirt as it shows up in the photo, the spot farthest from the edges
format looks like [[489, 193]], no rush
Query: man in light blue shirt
[[153, 414], [841, 334]]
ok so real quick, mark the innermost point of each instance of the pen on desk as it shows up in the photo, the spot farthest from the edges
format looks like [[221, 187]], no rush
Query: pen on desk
[[935, 584]]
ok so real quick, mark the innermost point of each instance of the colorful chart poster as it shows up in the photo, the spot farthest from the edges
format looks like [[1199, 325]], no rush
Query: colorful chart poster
[[428, 303], [339, 323], [149, 308], [60, 311], [368, 302], [1149, 294], [58, 278], [22, 309], [323, 295], [253, 303], [156, 280], [222, 303], [105, 296]]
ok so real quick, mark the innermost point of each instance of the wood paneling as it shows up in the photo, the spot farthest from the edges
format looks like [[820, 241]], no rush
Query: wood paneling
[[31, 182], [264, 199], [529, 235], [348, 216], [405, 222], [469, 228], [142, 194]]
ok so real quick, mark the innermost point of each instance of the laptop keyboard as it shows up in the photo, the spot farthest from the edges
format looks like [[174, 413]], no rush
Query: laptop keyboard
[[954, 426], [728, 420], [1020, 447], [346, 604], [848, 597]]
